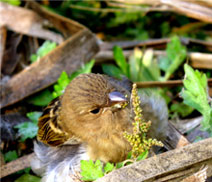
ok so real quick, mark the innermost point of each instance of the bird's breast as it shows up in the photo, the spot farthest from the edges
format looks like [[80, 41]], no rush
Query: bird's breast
[[112, 149]]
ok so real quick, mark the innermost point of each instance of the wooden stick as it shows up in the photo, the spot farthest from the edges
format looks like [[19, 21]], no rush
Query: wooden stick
[[199, 176], [121, 8], [171, 166], [194, 9], [169, 83], [174, 138], [102, 10], [65, 25], [201, 60], [3, 37], [151, 42], [197, 59], [69, 56], [189, 9], [16, 165], [132, 44], [186, 125]]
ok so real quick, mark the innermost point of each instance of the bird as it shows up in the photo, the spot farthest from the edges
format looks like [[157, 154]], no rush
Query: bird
[[87, 123]]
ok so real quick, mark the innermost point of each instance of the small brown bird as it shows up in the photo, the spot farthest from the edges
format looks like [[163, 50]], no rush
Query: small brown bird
[[87, 122]]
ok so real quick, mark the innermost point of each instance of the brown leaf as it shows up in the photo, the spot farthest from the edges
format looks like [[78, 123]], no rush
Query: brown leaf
[[27, 22]]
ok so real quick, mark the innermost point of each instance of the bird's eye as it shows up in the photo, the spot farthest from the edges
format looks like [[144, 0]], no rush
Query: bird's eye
[[95, 111]]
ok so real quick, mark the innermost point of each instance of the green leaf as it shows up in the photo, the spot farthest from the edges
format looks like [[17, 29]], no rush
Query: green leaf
[[129, 155], [182, 109], [119, 165], [44, 49], [42, 98], [176, 52], [150, 67], [163, 93], [164, 63], [28, 178], [120, 60], [135, 65], [143, 156], [64, 79], [10, 156], [86, 68], [34, 116], [112, 70], [29, 129], [27, 170], [12, 2], [61, 84], [137, 34], [33, 58], [108, 167], [165, 28], [195, 95], [174, 48], [143, 67], [91, 171], [123, 18]]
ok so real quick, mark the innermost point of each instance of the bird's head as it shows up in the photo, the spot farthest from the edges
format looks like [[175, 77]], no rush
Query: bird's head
[[93, 106]]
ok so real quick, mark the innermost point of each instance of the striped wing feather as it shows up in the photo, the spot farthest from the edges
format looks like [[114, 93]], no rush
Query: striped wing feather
[[49, 131]]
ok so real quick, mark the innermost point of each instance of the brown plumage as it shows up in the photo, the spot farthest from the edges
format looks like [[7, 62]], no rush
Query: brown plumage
[[89, 115]]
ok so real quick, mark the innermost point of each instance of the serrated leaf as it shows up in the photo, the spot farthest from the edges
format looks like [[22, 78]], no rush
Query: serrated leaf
[[176, 52], [120, 60], [112, 70], [34, 116], [28, 178], [108, 167], [91, 171], [42, 98], [10, 156], [195, 95], [27, 130]]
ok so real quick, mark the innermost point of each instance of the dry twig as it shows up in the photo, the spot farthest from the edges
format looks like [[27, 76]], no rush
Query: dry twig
[[16, 165]]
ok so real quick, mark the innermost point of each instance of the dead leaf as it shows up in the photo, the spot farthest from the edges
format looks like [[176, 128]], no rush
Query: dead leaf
[[27, 22]]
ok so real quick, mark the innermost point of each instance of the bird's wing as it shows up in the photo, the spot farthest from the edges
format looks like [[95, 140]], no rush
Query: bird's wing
[[49, 131]]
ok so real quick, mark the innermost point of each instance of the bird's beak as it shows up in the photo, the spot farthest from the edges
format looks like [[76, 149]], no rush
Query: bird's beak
[[117, 99]]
